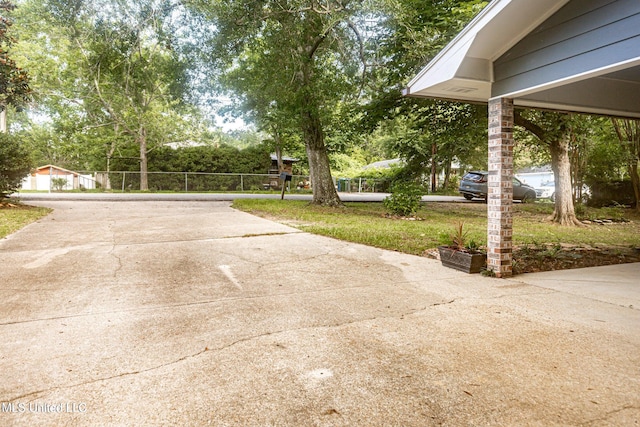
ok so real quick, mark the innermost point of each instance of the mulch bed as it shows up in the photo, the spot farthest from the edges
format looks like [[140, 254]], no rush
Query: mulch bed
[[528, 259], [564, 257]]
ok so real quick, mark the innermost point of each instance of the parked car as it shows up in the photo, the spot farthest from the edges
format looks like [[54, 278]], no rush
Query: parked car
[[474, 185], [546, 190]]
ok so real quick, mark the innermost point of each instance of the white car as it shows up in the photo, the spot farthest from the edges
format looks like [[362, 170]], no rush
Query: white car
[[546, 191]]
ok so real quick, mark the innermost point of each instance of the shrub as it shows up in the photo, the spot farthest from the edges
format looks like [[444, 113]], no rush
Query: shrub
[[58, 184], [404, 199], [15, 164], [611, 193]]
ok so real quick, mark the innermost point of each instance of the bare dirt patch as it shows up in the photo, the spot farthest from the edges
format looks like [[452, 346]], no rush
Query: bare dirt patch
[[562, 257]]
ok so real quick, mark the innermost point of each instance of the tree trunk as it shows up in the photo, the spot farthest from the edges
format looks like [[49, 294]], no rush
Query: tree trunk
[[107, 180], [324, 190], [447, 174], [434, 170], [110, 151], [144, 175], [3, 120], [635, 181], [564, 212], [278, 153], [629, 136], [578, 164]]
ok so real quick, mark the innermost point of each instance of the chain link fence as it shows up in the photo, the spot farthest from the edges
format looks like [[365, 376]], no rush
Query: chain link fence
[[210, 182]]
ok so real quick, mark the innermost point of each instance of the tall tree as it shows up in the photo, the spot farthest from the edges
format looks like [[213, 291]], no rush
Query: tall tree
[[301, 57], [554, 130], [430, 135], [115, 67], [628, 132], [435, 132], [14, 81], [15, 161], [135, 74]]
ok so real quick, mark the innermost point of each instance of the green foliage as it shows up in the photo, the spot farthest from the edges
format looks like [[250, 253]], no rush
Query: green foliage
[[210, 159], [426, 132], [459, 236], [311, 57], [611, 193], [109, 77], [460, 239], [412, 33], [341, 163], [391, 173], [404, 199], [607, 163], [352, 162], [14, 81], [58, 184], [15, 164]]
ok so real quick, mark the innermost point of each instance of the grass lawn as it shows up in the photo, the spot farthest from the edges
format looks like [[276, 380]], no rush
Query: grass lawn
[[367, 223], [14, 216]]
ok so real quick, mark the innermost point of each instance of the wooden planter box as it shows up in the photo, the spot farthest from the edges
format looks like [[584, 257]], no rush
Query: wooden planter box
[[461, 260]]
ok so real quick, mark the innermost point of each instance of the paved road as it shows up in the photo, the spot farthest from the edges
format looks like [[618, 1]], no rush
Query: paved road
[[345, 197], [192, 313]]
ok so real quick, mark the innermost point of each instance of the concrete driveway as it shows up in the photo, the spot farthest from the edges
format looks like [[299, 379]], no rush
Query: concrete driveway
[[192, 313]]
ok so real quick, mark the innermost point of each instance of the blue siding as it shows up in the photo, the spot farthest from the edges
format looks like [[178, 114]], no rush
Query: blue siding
[[582, 36]]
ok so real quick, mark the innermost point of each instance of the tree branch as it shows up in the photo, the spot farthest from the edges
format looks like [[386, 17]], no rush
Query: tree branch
[[529, 125], [361, 52], [316, 45]]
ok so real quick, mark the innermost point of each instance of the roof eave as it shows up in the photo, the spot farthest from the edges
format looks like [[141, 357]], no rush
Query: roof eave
[[473, 50]]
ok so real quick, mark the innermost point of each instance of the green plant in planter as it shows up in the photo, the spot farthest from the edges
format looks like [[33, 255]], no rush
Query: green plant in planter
[[461, 254], [459, 237], [460, 241]]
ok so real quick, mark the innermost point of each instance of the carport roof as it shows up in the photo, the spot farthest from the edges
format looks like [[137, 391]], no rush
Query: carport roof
[[465, 69]]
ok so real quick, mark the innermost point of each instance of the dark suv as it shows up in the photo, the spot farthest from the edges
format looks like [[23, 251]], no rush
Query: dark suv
[[474, 184]]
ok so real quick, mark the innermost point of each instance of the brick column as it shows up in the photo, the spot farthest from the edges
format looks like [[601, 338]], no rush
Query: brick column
[[500, 197]]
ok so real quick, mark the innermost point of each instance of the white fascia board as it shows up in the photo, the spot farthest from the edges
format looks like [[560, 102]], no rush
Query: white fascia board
[[439, 71], [455, 51], [574, 78], [572, 109], [500, 25]]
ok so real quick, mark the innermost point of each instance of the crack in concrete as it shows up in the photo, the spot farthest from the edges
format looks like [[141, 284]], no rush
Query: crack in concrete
[[184, 304], [36, 393], [514, 295], [156, 242], [278, 262], [548, 291], [209, 239], [278, 233], [441, 303], [111, 252], [607, 415], [97, 380]]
